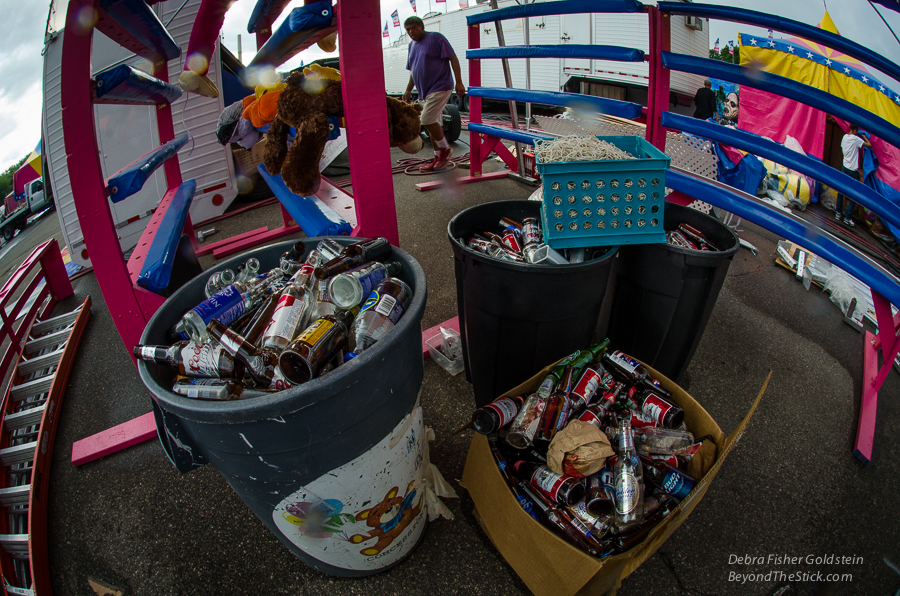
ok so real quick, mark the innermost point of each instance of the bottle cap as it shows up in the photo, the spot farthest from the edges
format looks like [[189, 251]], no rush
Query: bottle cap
[[345, 291]]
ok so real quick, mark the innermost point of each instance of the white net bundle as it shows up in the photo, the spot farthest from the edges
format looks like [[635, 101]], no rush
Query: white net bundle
[[577, 149]]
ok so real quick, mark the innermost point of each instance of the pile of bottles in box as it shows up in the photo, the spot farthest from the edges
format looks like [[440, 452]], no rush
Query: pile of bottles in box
[[260, 332], [597, 454], [523, 243], [687, 236]]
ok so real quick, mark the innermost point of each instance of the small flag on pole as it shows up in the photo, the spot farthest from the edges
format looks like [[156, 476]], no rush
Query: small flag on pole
[[464, 3], [439, 1], [716, 47], [396, 16], [770, 34], [413, 2], [385, 32], [731, 47]]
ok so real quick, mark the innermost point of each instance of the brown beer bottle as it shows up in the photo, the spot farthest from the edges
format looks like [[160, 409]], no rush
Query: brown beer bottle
[[261, 364], [306, 356], [355, 255], [191, 359], [558, 524]]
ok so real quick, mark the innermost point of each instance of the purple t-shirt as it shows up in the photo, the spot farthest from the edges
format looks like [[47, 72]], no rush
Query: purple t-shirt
[[429, 63]]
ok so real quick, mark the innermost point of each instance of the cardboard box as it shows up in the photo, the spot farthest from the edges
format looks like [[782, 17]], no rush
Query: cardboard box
[[550, 566], [245, 161]]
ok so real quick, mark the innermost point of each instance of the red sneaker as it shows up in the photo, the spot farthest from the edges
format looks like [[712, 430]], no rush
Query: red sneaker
[[429, 166], [441, 160]]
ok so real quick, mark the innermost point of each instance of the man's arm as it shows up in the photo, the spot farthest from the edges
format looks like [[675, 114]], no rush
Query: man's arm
[[409, 88], [457, 74]]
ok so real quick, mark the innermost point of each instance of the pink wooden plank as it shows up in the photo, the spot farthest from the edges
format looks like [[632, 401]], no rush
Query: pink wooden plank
[[255, 241], [365, 111], [114, 439], [865, 429], [424, 186], [448, 324], [213, 246]]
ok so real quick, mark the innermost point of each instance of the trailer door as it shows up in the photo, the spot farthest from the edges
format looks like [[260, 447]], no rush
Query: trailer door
[[576, 29]]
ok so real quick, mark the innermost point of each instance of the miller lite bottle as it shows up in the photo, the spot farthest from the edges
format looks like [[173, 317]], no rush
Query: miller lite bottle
[[261, 364], [629, 484]]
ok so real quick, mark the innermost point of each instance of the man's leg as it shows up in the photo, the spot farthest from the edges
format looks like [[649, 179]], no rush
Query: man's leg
[[432, 117]]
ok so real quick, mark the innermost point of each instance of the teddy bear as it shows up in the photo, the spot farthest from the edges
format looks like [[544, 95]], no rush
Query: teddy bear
[[387, 519], [306, 103]]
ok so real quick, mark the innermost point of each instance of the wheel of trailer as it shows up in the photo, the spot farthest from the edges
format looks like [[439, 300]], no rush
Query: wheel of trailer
[[8, 232], [452, 125]]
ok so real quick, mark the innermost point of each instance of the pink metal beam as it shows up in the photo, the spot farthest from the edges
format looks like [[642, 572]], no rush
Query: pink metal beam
[[658, 98], [476, 153], [426, 186], [86, 176], [365, 110]]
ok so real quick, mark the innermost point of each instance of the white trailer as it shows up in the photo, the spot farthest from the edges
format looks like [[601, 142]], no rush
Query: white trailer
[[616, 80], [125, 133]]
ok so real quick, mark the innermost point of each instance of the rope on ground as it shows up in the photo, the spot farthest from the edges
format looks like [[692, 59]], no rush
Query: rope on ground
[[411, 165]]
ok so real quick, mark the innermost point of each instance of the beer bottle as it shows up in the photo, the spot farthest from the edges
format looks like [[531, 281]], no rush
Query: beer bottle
[[355, 255], [512, 238], [261, 364], [307, 355], [560, 417], [579, 359], [304, 277], [625, 367], [506, 222], [350, 288], [291, 261], [261, 317], [329, 248], [514, 485], [290, 314], [629, 486], [564, 490], [496, 414], [247, 271], [653, 439], [588, 385], [557, 524], [526, 424], [372, 249], [226, 306], [382, 310], [667, 478], [217, 281], [190, 359], [661, 411], [215, 389], [599, 525], [697, 237], [599, 498], [531, 238]]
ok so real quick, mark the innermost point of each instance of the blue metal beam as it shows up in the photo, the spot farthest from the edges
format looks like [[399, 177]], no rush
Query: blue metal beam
[[595, 52], [615, 107], [543, 9], [507, 133], [769, 21], [794, 229], [778, 153], [822, 100]]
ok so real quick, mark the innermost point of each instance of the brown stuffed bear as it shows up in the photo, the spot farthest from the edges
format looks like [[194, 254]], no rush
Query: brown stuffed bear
[[305, 104]]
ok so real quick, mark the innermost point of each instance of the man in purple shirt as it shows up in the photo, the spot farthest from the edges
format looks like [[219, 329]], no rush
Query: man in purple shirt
[[429, 62]]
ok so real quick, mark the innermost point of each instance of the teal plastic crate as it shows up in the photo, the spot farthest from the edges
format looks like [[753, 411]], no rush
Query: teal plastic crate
[[606, 202]]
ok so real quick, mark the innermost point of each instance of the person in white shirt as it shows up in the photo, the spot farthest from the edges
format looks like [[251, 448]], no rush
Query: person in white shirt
[[850, 146]]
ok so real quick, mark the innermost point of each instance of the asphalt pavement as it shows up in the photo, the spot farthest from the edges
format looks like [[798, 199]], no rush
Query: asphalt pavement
[[792, 487]]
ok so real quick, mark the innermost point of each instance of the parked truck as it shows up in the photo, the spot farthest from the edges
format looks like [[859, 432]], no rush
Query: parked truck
[[16, 212]]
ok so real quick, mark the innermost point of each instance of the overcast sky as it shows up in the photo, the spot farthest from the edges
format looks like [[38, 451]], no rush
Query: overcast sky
[[22, 35]]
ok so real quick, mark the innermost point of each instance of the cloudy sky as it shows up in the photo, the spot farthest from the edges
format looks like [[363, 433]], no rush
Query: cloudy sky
[[22, 35]]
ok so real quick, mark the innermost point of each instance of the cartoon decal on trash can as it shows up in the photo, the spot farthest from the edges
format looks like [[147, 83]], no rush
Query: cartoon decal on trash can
[[368, 528]]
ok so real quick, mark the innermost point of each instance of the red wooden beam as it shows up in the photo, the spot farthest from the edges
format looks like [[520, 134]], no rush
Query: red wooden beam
[[114, 439]]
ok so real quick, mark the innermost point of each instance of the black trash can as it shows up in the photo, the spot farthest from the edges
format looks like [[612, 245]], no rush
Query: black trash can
[[332, 467], [515, 318], [664, 295]]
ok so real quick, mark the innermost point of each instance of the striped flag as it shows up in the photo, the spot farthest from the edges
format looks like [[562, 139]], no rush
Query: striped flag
[[413, 2], [770, 33], [385, 32], [396, 16], [731, 47], [716, 47]]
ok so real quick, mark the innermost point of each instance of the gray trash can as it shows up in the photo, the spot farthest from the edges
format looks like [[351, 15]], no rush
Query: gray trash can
[[332, 467]]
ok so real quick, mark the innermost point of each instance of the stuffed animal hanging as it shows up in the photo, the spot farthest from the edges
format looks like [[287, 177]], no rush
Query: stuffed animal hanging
[[306, 103]]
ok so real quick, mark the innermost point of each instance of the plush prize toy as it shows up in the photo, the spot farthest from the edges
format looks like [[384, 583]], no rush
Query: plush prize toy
[[306, 103]]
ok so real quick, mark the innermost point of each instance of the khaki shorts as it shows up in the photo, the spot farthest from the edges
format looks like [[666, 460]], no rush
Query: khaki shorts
[[433, 107]]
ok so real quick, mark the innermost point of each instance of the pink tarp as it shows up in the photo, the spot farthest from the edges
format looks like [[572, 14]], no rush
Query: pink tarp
[[776, 117]]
